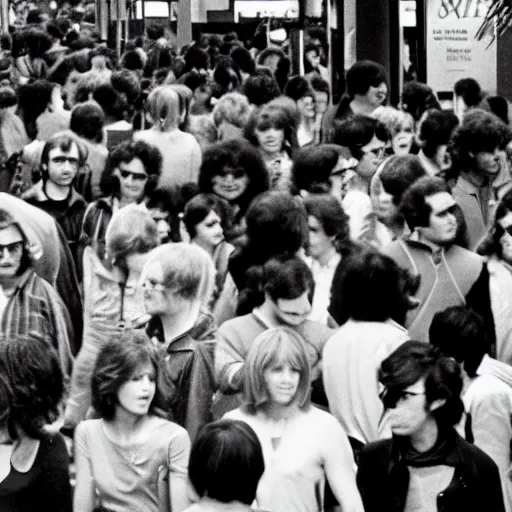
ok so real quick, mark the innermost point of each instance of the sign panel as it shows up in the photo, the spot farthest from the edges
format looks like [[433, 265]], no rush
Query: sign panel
[[452, 50]]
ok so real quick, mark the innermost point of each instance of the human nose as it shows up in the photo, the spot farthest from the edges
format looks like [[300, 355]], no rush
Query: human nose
[[5, 253], [146, 382]]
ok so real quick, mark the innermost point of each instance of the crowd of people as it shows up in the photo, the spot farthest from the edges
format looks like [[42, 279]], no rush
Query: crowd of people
[[221, 291]]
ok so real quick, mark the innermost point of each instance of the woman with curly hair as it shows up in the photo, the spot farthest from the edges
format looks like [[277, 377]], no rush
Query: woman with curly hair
[[131, 174], [34, 462], [129, 458], [235, 172]]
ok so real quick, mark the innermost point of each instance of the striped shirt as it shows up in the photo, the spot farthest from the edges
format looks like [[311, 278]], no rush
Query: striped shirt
[[35, 307]]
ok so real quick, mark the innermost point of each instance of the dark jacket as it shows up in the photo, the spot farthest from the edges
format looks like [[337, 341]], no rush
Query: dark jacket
[[383, 480], [186, 375], [69, 219]]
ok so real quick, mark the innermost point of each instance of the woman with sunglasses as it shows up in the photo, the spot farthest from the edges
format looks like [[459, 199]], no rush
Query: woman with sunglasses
[[235, 172], [129, 458], [112, 297], [130, 176], [302, 445], [497, 247]]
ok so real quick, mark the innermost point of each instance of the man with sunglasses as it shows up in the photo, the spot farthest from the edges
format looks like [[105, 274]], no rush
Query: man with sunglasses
[[426, 465], [62, 157], [450, 275]]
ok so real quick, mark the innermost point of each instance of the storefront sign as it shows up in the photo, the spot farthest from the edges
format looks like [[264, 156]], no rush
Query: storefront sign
[[452, 49]]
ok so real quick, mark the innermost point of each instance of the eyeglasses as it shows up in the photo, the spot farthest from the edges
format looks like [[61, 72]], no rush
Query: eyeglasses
[[448, 211], [236, 173], [135, 175], [61, 160], [12, 248], [376, 152]]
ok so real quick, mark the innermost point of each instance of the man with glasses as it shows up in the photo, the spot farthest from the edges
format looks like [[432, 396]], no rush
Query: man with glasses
[[62, 157], [450, 275], [426, 465], [366, 139]]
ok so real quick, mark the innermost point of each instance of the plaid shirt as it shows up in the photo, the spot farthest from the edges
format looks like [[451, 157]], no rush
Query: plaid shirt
[[35, 307]]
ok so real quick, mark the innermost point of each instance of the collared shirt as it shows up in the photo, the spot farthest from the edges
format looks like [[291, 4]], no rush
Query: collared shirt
[[323, 275], [491, 366]]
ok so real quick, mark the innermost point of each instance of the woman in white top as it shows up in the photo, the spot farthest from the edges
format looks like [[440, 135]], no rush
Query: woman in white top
[[129, 459], [301, 445]]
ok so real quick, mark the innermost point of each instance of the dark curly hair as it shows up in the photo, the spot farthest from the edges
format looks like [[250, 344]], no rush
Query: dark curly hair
[[261, 88], [414, 360], [282, 277], [490, 245], [87, 120], [149, 155], [234, 154], [417, 98], [328, 211], [479, 131], [116, 363], [363, 75], [32, 369]]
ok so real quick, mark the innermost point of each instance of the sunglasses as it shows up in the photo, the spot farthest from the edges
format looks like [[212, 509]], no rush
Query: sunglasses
[[508, 230], [135, 175], [12, 248], [236, 173]]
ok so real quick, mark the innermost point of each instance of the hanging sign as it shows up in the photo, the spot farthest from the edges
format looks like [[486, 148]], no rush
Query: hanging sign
[[452, 49]]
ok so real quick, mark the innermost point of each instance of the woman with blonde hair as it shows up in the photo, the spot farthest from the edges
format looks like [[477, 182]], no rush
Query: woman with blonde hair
[[112, 297], [178, 281], [180, 151], [302, 445]]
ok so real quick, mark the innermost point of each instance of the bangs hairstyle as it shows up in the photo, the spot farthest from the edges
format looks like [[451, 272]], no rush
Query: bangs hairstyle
[[200, 206], [64, 141], [226, 462], [266, 118], [117, 362], [31, 366], [188, 270], [279, 345], [414, 360], [131, 231]]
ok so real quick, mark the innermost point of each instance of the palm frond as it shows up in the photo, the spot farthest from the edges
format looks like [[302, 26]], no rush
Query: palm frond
[[498, 19]]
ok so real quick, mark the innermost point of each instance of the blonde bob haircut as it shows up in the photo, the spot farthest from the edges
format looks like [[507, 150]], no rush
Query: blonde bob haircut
[[188, 271], [272, 347], [163, 105], [394, 120]]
